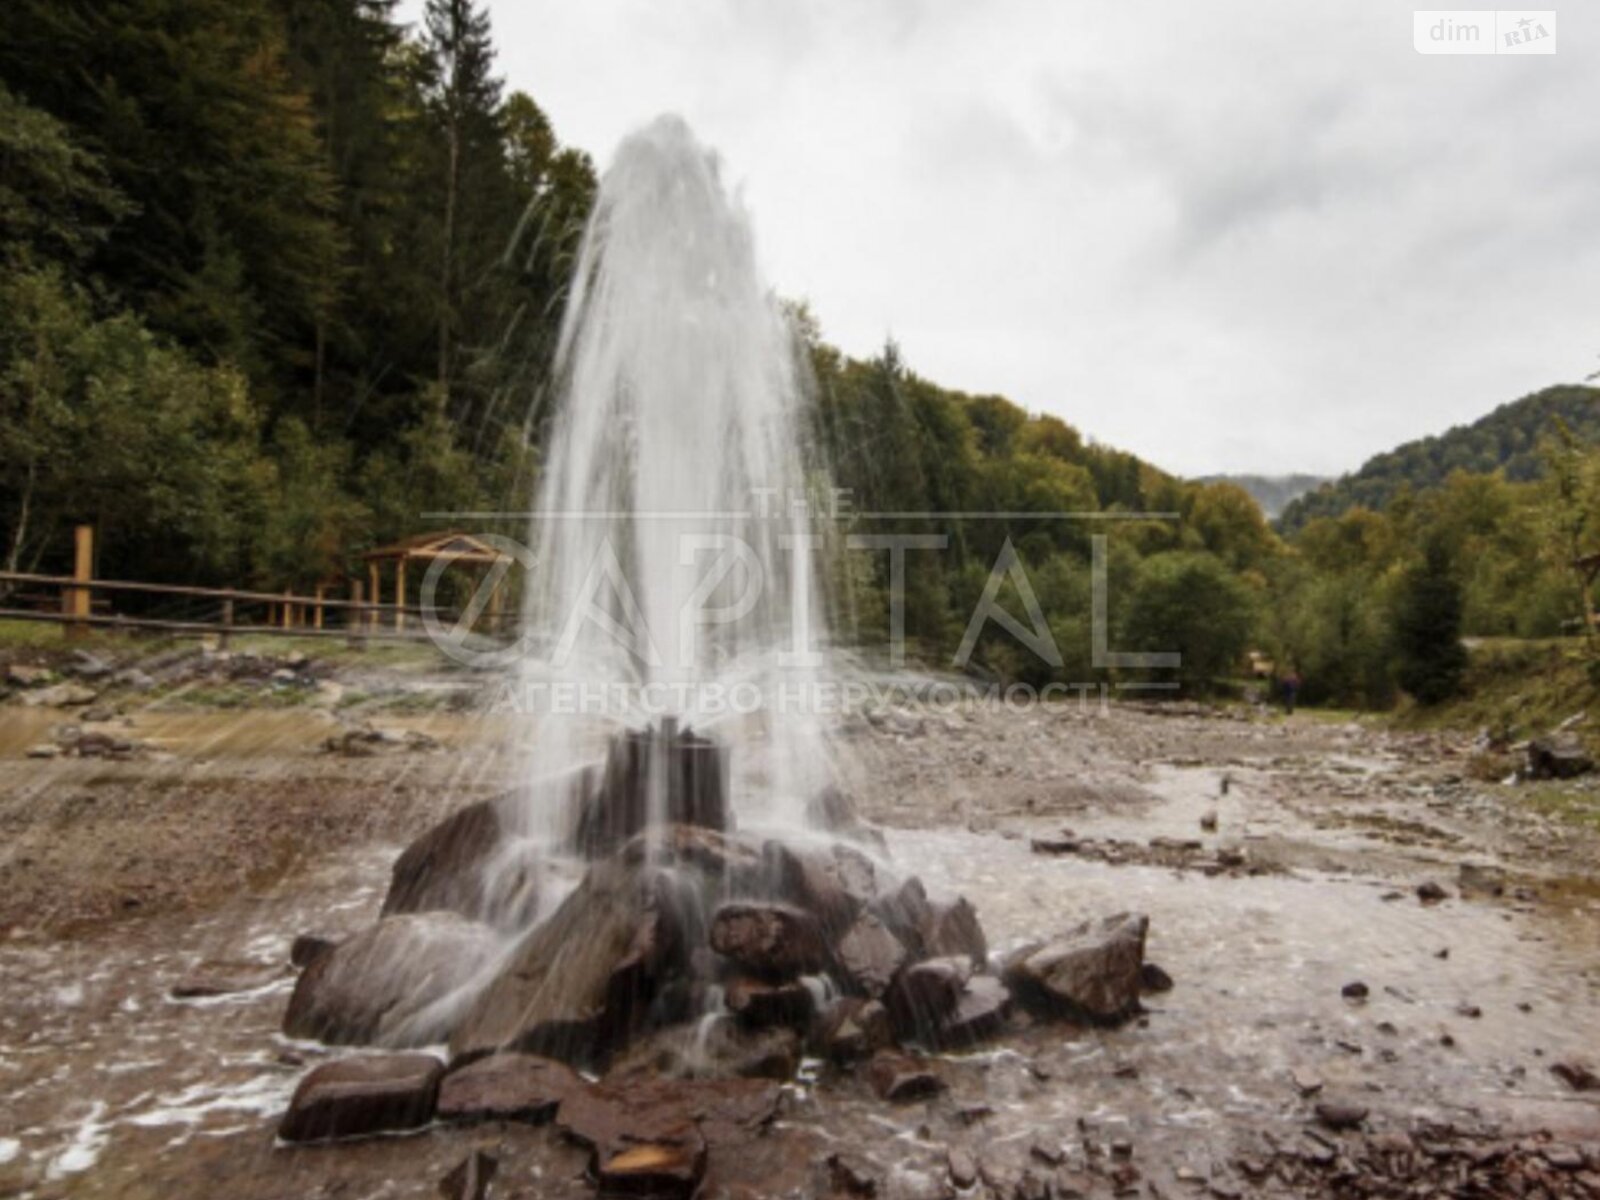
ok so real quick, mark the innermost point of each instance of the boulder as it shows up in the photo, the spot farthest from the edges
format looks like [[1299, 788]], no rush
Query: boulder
[[467, 864], [773, 941], [835, 883], [307, 948], [579, 984], [729, 863], [833, 811], [365, 1095], [668, 1167], [1091, 972], [869, 956], [391, 984], [953, 928], [25, 675], [60, 695], [980, 1013], [924, 995], [507, 1087], [898, 1078], [1561, 756]]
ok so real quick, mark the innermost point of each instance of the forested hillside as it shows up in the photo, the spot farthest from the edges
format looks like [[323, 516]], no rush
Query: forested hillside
[[1508, 440]]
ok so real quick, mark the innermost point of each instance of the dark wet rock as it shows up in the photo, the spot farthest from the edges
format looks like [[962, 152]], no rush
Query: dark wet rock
[[470, 1178], [1091, 972], [953, 928], [901, 1077], [1431, 893], [1479, 879], [1048, 1152], [671, 1166], [1559, 757], [613, 804], [761, 1004], [981, 1012], [1208, 819], [580, 983], [732, 863], [775, 941], [225, 979], [719, 1049], [507, 1087], [924, 994], [963, 1168], [1355, 990], [388, 985], [610, 1116], [1339, 1115], [869, 956], [467, 864], [1033, 1185], [851, 1175], [1580, 1077], [852, 1028], [1064, 843], [307, 948], [1153, 979], [835, 883], [364, 1095]]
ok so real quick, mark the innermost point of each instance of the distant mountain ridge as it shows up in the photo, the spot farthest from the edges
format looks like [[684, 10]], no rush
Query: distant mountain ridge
[[1273, 493], [1506, 439]]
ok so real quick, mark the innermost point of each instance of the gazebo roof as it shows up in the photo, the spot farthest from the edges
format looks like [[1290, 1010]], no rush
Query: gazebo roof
[[452, 544]]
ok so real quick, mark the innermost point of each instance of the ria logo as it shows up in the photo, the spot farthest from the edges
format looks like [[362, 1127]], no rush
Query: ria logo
[[1484, 31]]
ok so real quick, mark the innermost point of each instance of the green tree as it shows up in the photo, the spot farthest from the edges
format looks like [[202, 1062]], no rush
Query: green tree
[[1429, 657], [1189, 602]]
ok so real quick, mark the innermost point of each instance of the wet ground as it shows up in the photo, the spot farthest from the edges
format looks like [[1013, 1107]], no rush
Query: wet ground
[[1308, 883]]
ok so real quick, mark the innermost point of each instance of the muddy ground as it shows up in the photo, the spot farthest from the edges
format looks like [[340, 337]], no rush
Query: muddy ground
[[229, 832]]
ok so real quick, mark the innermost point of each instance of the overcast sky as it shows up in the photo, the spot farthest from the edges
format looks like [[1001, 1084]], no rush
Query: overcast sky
[[1228, 236]]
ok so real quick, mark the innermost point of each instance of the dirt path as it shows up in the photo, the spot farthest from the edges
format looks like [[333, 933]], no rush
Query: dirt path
[[1307, 883]]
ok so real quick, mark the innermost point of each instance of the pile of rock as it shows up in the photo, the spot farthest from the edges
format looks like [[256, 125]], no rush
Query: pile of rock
[[691, 968]]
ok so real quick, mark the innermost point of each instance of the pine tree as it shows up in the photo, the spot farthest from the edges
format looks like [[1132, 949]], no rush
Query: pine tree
[[1430, 659]]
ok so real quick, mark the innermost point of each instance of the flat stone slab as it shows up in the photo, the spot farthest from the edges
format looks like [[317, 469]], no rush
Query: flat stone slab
[[355, 1097], [507, 1087]]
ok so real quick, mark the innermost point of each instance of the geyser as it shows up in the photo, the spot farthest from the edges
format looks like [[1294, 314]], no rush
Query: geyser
[[674, 547]]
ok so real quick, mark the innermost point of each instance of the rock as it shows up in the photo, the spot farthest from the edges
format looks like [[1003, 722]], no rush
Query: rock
[[869, 956], [732, 864], [851, 1029], [1580, 1077], [1431, 893], [608, 1117], [899, 1077], [1208, 820], [134, 680], [1153, 979], [924, 995], [671, 1167], [834, 883], [835, 812], [467, 864], [612, 804], [1064, 844], [1355, 990], [963, 1168], [1338, 1115], [980, 1013], [1471, 1011], [390, 984], [1561, 756], [24, 675], [851, 1176], [225, 979], [774, 941], [1305, 1082], [85, 665], [307, 948], [719, 1048], [954, 929], [1091, 972], [507, 1087], [44, 750], [580, 983], [365, 1095], [1478, 879], [60, 695], [762, 1004], [470, 1178]]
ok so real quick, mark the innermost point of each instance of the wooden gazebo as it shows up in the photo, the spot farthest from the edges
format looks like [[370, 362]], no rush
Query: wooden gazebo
[[457, 548]]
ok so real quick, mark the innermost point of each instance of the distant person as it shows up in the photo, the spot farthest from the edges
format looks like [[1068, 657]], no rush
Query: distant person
[[1291, 689]]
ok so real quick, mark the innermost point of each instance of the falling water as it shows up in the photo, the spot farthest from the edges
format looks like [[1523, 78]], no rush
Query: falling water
[[675, 575]]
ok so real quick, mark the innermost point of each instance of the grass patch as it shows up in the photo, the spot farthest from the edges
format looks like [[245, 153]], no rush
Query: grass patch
[[1515, 689], [1577, 806]]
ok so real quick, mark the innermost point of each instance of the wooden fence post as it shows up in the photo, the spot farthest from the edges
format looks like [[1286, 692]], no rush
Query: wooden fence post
[[227, 623], [76, 600], [356, 618]]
